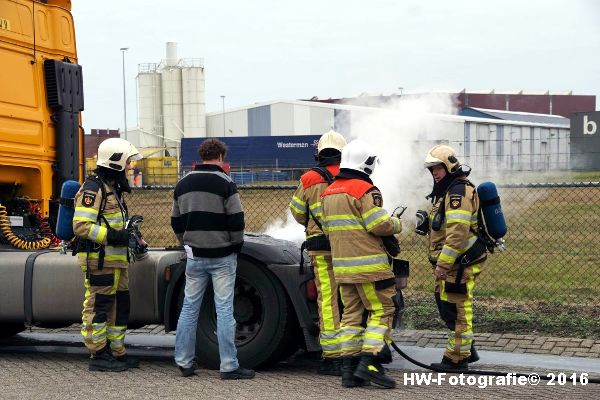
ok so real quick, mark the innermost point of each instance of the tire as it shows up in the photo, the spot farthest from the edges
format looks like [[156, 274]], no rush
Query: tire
[[265, 320], [8, 330]]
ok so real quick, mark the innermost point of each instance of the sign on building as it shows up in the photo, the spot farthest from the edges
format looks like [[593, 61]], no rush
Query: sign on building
[[585, 140]]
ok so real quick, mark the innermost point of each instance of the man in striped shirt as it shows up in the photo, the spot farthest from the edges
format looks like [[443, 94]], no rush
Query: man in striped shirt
[[208, 221]]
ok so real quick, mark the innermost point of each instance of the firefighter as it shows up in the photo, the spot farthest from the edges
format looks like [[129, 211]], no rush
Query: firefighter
[[306, 209], [355, 222], [103, 246], [455, 252]]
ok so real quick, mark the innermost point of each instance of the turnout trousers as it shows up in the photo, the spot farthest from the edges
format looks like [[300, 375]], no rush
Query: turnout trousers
[[456, 310], [358, 297], [106, 309], [327, 300]]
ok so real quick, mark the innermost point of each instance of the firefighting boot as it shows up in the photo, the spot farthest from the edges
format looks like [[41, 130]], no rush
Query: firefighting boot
[[330, 366], [370, 369], [449, 365], [348, 367], [474, 357], [131, 362], [104, 361]]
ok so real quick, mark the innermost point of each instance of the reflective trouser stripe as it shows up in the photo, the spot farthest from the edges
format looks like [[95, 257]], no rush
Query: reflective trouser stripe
[[461, 337], [116, 336], [99, 310], [375, 332], [379, 303], [329, 317]]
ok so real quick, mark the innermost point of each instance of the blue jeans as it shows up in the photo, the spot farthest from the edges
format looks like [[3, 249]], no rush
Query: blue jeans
[[197, 273]]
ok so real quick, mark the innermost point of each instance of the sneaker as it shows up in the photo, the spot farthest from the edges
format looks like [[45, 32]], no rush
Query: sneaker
[[370, 369], [449, 365], [185, 372], [104, 361], [240, 373], [330, 366], [131, 362]]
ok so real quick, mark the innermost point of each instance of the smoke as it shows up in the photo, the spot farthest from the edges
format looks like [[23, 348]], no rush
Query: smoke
[[402, 133], [288, 229]]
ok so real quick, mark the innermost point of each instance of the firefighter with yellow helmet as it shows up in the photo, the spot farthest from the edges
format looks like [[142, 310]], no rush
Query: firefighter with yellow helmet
[[455, 252], [355, 223], [306, 209], [104, 237]]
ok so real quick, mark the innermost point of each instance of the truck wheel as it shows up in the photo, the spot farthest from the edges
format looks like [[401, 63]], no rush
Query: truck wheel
[[265, 320], [8, 330]]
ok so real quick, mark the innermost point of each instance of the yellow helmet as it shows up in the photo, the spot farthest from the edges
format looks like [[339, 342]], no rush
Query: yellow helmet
[[331, 140], [445, 155]]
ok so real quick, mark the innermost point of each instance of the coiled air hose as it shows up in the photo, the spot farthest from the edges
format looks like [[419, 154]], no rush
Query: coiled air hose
[[471, 371], [16, 241]]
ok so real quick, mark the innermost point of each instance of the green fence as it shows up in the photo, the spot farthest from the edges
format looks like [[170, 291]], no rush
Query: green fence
[[547, 280]]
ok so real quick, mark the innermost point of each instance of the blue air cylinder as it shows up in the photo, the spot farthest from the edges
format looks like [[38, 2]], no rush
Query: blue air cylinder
[[491, 210], [66, 209]]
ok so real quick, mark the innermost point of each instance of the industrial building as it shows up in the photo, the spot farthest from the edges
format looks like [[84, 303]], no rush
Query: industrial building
[[486, 139]]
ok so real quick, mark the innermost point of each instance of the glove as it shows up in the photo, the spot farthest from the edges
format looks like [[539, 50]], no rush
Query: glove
[[422, 224], [118, 237], [391, 244]]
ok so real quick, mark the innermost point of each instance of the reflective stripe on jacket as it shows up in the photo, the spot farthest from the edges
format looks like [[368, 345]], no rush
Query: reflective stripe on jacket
[[459, 229], [308, 195], [87, 226], [354, 220]]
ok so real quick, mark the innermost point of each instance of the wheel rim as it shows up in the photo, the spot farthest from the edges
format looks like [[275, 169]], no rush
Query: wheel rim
[[248, 312]]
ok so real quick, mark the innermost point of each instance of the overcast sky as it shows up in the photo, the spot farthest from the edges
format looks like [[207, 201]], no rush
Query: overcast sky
[[263, 50]]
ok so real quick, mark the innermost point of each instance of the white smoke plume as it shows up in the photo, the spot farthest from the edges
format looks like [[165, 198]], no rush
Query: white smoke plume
[[286, 230], [402, 134]]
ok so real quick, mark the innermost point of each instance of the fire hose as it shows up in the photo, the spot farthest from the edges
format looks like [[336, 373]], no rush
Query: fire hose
[[471, 371]]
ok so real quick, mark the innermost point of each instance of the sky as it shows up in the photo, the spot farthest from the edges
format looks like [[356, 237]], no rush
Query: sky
[[263, 50]]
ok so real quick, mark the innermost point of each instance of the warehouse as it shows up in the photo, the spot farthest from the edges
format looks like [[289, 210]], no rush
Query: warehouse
[[281, 136]]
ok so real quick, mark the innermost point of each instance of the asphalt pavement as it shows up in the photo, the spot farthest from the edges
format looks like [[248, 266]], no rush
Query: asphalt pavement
[[49, 366]]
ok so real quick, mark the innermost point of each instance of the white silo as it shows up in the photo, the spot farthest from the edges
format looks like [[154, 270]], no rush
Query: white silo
[[194, 106], [150, 105], [172, 97]]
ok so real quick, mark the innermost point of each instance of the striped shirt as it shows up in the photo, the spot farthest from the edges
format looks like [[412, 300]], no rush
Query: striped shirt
[[207, 212]]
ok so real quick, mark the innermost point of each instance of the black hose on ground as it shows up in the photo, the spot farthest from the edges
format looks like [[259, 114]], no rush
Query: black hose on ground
[[471, 371]]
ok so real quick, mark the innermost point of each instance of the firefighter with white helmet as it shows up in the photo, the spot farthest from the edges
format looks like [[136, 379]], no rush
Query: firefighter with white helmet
[[355, 222], [455, 252], [104, 232], [306, 209]]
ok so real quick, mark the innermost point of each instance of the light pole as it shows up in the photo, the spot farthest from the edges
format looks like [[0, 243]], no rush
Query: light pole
[[123, 50], [223, 98]]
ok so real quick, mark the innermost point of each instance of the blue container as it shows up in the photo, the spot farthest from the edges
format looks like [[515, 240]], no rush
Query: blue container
[[243, 177], [492, 210], [271, 152], [66, 209], [276, 176]]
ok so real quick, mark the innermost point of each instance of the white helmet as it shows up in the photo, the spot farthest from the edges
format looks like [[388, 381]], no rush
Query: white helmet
[[115, 153], [331, 140], [359, 156]]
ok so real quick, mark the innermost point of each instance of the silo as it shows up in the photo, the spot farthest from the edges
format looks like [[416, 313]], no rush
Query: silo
[[172, 98], [194, 106], [150, 105]]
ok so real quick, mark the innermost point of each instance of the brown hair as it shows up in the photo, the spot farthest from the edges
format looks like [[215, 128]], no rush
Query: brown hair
[[211, 149]]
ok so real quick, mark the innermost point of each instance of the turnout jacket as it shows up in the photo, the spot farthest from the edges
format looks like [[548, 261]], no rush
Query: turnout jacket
[[89, 224], [308, 197], [207, 212], [354, 221], [458, 232]]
